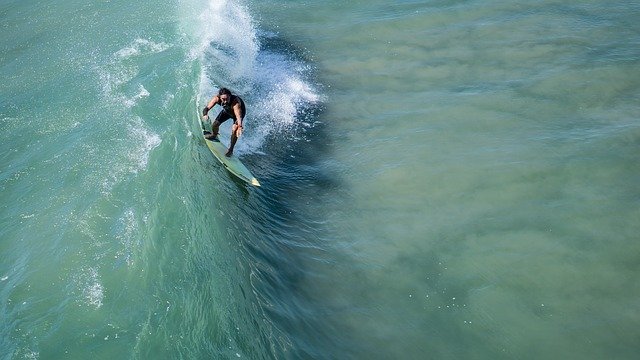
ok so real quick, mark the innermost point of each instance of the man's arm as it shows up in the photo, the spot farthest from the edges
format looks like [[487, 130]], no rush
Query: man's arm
[[211, 104], [238, 111]]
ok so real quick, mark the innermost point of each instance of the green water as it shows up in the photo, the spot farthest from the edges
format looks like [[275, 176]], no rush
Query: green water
[[441, 180]]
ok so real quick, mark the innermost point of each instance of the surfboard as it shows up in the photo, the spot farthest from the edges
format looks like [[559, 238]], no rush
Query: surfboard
[[232, 163]]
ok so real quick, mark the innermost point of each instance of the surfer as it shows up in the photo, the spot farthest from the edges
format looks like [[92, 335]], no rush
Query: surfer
[[232, 108]]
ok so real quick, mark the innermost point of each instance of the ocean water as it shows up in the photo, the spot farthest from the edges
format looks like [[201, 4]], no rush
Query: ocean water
[[441, 180]]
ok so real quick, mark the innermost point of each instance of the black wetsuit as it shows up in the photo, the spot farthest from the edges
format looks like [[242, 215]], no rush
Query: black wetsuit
[[227, 110]]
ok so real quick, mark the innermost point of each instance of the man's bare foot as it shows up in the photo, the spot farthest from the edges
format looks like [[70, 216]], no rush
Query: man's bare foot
[[211, 136], [229, 153]]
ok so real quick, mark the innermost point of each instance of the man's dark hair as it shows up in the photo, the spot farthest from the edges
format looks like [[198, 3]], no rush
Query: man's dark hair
[[224, 91]]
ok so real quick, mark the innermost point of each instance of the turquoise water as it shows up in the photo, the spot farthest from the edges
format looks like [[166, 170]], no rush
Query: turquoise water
[[441, 180]]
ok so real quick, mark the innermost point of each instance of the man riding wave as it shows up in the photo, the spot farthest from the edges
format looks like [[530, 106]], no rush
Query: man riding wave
[[232, 108]]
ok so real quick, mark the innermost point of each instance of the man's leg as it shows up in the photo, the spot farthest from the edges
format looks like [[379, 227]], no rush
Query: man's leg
[[234, 138], [215, 127]]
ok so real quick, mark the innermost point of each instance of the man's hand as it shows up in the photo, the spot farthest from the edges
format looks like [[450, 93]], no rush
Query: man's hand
[[205, 112], [237, 129]]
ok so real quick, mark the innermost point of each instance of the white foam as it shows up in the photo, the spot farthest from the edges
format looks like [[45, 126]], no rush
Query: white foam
[[128, 236], [132, 155], [143, 93], [233, 44], [92, 291], [31, 355], [121, 70], [123, 92], [147, 140], [141, 47], [284, 95]]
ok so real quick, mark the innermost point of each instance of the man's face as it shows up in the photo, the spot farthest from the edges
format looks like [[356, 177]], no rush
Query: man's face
[[224, 99]]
